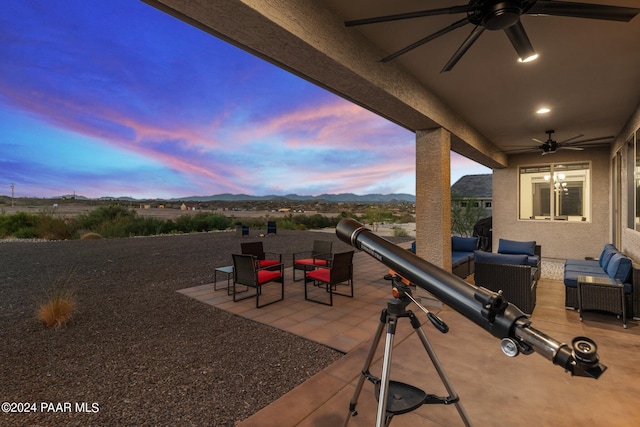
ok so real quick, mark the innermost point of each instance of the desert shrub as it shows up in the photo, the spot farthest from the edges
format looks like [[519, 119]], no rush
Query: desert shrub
[[27, 226], [18, 225], [101, 216], [51, 228], [252, 223], [219, 222], [465, 212], [148, 226], [313, 221], [90, 236], [169, 227], [58, 305], [24, 233], [120, 226], [405, 218], [185, 223], [204, 221], [400, 232], [379, 214], [286, 224]]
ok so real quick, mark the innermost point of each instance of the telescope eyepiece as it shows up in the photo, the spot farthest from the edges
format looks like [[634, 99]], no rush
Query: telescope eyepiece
[[585, 350]]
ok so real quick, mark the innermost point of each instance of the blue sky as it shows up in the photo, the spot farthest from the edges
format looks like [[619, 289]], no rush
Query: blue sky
[[119, 99]]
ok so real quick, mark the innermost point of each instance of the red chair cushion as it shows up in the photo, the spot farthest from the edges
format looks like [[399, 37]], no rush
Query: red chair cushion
[[321, 274], [267, 262], [312, 261], [265, 276]]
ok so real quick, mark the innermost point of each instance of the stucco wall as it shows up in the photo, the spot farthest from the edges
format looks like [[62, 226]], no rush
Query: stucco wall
[[559, 239]]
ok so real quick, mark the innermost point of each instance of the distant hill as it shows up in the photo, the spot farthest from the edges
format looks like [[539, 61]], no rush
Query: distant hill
[[331, 198]]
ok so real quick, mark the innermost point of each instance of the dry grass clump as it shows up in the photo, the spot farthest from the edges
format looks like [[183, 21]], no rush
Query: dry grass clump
[[57, 307], [90, 236]]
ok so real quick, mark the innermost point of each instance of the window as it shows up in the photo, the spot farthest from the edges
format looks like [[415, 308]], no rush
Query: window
[[556, 192], [637, 180]]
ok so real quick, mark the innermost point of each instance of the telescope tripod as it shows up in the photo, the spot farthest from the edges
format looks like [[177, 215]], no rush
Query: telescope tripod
[[396, 398]]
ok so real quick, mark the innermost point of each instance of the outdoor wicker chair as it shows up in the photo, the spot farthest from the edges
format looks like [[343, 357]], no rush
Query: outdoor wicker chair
[[319, 255], [247, 273], [264, 259], [339, 274], [518, 282]]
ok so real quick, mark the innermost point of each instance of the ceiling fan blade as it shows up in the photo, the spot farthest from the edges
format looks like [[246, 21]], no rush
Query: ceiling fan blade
[[477, 31], [521, 150], [570, 148], [419, 14], [571, 139], [427, 39], [594, 141], [520, 41], [537, 140], [583, 10]]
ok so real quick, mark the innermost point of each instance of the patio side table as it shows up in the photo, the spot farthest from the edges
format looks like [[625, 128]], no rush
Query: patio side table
[[601, 293], [226, 270]]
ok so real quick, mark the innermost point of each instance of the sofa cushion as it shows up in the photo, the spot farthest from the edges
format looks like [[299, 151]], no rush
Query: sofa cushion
[[581, 262], [489, 257], [585, 270], [607, 253], [515, 247], [619, 267], [459, 258], [533, 261], [464, 244]]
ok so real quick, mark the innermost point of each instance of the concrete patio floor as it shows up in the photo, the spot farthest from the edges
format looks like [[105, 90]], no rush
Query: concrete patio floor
[[494, 389]]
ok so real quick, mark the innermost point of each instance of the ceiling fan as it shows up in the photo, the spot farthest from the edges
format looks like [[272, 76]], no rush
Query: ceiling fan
[[551, 146], [501, 15]]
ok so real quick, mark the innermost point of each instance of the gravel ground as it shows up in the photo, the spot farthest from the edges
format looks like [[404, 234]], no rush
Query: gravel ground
[[137, 351]]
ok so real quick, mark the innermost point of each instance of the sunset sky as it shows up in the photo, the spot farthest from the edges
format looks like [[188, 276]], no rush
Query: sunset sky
[[115, 98]]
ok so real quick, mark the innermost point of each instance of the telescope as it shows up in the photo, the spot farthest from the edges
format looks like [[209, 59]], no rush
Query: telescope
[[485, 308]]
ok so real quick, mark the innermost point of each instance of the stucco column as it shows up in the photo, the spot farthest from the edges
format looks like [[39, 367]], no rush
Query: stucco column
[[433, 199]]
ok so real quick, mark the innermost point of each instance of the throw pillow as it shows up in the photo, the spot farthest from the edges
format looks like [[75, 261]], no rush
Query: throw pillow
[[619, 267], [516, 247]]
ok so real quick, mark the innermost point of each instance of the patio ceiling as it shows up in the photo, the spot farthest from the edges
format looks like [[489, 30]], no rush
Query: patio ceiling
[[588, 71]]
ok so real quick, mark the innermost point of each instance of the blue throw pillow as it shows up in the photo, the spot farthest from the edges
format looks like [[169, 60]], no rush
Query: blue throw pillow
[[619, 267], [464, 244], [491, 258], [515, 247], [608, 252]]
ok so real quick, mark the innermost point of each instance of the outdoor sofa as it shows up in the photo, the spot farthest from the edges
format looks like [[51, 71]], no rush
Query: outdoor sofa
[[611, 264], [514, 270], [510, 274], [462, 255], [462, 249]]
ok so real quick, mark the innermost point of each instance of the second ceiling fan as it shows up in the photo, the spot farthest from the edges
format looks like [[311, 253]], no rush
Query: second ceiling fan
[[550, 146], [501, 15]]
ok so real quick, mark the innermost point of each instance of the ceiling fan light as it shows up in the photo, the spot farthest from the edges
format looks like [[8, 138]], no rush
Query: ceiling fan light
[[543, 110], [532, 57]]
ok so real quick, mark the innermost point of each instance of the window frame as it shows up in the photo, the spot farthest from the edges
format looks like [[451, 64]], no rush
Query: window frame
[[552, 169]]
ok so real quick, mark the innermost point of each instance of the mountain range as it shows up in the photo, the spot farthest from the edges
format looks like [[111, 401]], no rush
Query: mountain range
[[227, 197]]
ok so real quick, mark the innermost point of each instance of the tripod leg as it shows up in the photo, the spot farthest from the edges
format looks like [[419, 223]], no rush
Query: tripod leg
[[443, 376], [365, 370], [381, 418]]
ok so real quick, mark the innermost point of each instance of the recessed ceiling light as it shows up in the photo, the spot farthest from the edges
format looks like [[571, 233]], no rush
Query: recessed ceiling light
[[529, 58], [543, 110]]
